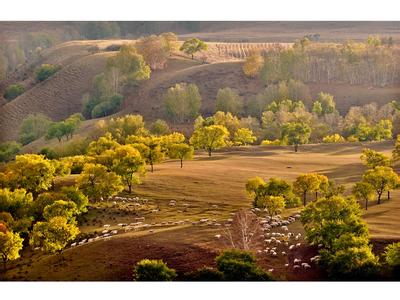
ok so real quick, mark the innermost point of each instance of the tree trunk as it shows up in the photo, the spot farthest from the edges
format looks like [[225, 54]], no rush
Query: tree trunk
[[296, 147], [366, 204], [192, 56], [304, 198], [388, 195], [209, 152], [151, 167], [379, 198], [316, 195], [130, 188], [181, 163]]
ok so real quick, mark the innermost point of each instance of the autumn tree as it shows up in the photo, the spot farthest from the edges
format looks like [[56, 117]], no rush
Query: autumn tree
[[326, 219], [72, 193], [373, 159], [159, 127], [170, 42], [210, 138], [53, 235], [363, 191], [181, 151], [244, 136], [128, 163], [324, 104], [253, 64], [149, 148], [311, 182], [10, 246], [154, 50], [228, 100], [61, 208], [130, 65], [192, 46], [122, 127], [32, 172], [97, 183], [296, 133], [182, 102], [381, 179]]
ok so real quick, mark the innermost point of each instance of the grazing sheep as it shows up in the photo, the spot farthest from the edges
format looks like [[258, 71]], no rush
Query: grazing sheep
[[268, 241], [114, 232], [305, 265], [285, 228], [286, 265], [315, 258], [296, 267], [291, 247], [259, 251], [286, 244], [106, 225], [217, 236], [278, 242], [72, 245], [320, 245], [298, 245], [283, 253], [270, 270], [105, 231], [296, 260]]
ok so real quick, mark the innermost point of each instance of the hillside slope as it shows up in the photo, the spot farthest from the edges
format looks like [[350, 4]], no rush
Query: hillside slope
[[58, 97]]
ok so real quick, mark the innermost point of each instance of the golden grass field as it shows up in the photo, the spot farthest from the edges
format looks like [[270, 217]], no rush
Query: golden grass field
[[204, 182]]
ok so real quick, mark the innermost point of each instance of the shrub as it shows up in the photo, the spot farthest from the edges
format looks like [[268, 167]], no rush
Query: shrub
[[45, 71], [48, 153], [13, 91], [239, 265], [33, 127], [392, 257], [153, 270], [205, 274], [160, 127], [334, 138], [270, 143], [107, 107], [9, 150], [113, 47]]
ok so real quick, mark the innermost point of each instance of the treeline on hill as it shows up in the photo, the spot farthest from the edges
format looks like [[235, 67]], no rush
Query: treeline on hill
[[373, 62]]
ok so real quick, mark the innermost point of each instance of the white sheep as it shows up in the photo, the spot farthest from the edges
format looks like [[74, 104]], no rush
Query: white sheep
[[298, 245], [270, 270], [286, 265], [291, 247], [268, 241], [305, 265], [72, 245], [296, 267], [217, 236], [283, 253], [106, 225], [296, 260]]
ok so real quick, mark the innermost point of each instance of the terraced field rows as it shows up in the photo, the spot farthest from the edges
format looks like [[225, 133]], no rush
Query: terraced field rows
[[57, 97]]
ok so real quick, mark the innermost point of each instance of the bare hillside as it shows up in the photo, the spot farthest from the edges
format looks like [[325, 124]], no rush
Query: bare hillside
[[58, 97]]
